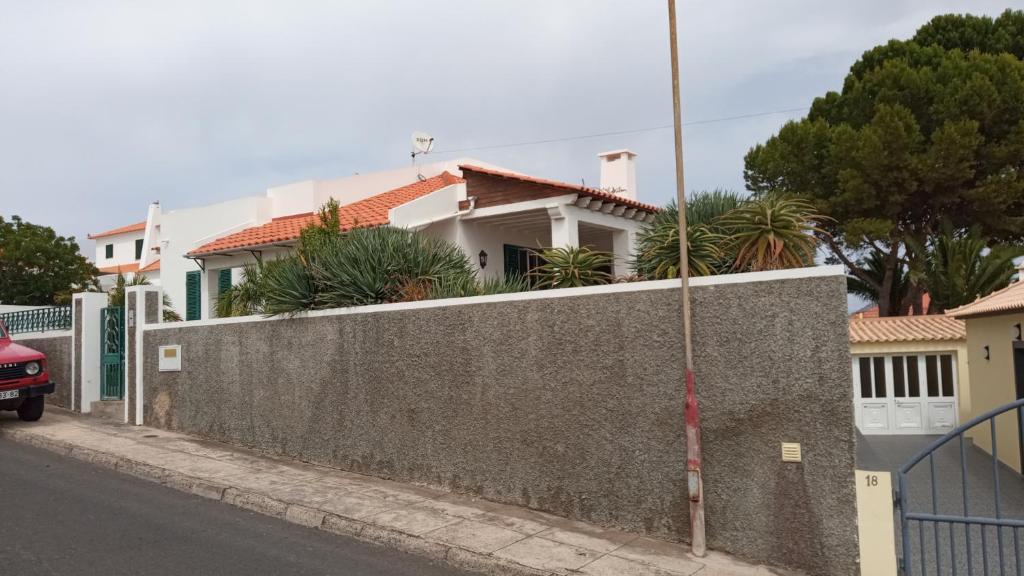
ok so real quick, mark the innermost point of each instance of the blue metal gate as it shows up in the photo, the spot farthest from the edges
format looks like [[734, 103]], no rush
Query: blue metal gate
[[966, 518]]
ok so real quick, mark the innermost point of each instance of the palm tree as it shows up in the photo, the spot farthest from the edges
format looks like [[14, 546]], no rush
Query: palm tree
[[874, 265], [244, 298], [772, 233], [116, 295], [962, 267]]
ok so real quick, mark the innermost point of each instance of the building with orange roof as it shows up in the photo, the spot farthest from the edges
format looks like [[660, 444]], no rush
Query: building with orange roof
[[499, 217], [910, 373], [995, 355]]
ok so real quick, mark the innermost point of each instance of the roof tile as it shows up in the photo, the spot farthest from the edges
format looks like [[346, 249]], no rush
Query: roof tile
[[933, 328], [372, 211], [122, 230], [1009, 299]]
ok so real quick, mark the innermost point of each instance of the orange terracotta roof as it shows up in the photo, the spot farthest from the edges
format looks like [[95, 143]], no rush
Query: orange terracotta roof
[[121, 268], [570, 187], [932, 328], [1009, 299], [122, 230], [372, 211], [872, 312], [152, 267]]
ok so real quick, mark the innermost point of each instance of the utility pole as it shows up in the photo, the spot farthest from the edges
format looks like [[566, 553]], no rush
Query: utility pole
[[694, 464]]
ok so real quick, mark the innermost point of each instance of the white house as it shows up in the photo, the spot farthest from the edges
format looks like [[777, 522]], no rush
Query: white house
[[494, 214], [129, 250]]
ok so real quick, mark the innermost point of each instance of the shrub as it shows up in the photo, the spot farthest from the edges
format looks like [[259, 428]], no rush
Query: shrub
[[571, 267]]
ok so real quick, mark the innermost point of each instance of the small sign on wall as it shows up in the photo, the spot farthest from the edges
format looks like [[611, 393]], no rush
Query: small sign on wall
[[170, 358]]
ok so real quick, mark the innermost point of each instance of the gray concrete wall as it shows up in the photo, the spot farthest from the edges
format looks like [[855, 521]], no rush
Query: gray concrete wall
[[58, 362], [569, 405]]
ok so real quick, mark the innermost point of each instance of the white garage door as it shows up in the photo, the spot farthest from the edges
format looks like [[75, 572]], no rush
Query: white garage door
[[905, 394]]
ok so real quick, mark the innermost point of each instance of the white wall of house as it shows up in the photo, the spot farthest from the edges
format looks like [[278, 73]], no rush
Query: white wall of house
[[124, 249], [171, 234], [181, 231]]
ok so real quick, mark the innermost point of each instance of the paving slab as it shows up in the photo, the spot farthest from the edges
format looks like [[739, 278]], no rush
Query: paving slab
[[549, 555], [461, 530]]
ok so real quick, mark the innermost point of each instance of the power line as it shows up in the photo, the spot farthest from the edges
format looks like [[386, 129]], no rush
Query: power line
[[621, 132]]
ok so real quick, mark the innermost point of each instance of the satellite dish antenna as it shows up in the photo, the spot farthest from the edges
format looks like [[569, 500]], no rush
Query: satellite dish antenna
[[422, 143]]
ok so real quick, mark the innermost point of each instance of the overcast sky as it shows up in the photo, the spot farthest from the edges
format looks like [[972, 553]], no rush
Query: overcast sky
[[107, 106]]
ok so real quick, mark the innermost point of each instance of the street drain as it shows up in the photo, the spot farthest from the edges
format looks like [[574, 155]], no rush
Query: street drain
[[150, 436]]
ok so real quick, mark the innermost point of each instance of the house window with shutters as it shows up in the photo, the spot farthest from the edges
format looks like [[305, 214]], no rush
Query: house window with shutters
[[193, 295], [223, 281], [520, 261]]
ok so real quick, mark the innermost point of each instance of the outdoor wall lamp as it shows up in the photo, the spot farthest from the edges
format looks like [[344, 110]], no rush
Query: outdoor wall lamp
[[988, 353], [483, 259], [1017, 328]]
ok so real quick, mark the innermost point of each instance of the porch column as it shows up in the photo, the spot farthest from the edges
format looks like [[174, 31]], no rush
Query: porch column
[[565, 228], [143, 305], [86, 326], [622, 248]]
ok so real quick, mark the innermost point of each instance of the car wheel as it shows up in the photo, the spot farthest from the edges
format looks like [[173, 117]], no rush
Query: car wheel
[[31, 409]]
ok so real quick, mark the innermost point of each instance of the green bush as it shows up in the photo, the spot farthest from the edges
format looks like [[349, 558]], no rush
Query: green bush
[[572, 267]]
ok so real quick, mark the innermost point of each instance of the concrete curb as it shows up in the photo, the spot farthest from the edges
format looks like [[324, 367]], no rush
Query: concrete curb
[[293, 513]]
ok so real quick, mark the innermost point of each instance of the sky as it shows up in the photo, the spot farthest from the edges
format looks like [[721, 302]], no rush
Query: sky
[[108, 106]]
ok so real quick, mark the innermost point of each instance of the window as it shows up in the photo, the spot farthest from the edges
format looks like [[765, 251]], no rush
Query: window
[[520, 261], [913, 377], [946, 369], [108, 251], [193, 295], [879, 376], [899, 385], [931, 370], [138, 249], [865, 377]]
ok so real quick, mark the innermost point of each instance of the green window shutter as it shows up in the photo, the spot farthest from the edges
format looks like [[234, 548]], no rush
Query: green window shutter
[[138, 249], [108, 250], [193, 295], [224, 281]]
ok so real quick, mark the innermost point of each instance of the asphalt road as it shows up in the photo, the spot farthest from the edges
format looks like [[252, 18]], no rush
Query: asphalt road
[[62, 516]]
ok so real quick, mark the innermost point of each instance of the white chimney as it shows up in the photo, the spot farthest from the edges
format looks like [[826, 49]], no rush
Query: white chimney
[[1020, 271], [618, 172]]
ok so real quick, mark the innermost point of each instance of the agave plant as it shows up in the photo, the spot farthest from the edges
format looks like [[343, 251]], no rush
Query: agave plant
[[383, 264], [461, 286], [772, 233], [570, 267], [287, 286], [657, 255]]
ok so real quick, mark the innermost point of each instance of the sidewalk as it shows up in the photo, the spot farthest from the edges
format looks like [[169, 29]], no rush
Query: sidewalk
[[460, 530]]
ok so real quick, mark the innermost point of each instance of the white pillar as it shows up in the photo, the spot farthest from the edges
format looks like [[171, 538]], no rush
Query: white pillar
[[565, 229], [86, 309], [622, 249], [143, 305]]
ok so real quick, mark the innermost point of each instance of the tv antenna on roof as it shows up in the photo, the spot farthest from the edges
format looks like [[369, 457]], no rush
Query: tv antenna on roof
[[422, 143]]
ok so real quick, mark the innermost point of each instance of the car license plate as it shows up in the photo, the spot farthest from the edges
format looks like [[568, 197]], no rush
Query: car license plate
[[7, 395]]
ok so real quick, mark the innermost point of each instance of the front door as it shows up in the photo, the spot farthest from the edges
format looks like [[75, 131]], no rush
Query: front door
[[905, 394], [112, 353]]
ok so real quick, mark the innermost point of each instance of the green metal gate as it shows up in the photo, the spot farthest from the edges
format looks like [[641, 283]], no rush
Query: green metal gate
[[112, 353]]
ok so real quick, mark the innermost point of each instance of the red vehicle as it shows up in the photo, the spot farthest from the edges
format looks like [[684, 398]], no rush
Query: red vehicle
[[23, 378]]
